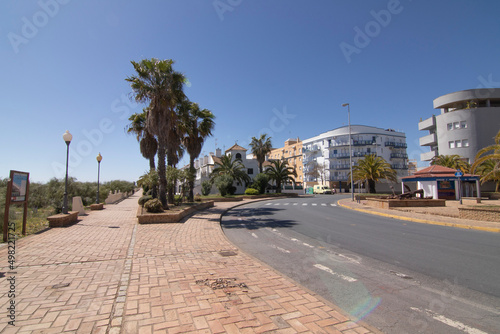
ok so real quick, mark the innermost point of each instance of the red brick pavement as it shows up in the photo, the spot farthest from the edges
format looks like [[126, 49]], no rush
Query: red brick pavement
[[107, 274]]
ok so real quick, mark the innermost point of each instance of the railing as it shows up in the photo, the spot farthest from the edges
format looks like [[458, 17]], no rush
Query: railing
[[339, 155], [396, 145], [363, 142], [362, 154], [399, 166], [399, 155]]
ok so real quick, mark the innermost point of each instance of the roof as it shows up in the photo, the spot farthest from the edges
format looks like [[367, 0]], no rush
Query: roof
[[236, 147], [435, 171]]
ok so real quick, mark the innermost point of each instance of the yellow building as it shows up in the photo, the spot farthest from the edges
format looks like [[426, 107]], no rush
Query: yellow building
[[292, 153]]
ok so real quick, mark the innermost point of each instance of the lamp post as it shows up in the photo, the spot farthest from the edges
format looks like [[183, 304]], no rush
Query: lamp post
[[350, 148], [99, 159], [67, 138]]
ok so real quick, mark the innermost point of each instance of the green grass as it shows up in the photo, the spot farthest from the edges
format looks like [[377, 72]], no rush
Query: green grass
[[35, 221]]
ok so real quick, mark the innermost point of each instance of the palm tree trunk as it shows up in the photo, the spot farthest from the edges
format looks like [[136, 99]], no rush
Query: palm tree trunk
[[152, 168], [371, 185], [192, 172], [162, 173], [171, 187]]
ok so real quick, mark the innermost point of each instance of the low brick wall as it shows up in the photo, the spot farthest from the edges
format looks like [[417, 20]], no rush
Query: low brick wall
[[480, 213], [225, 199], [61, 219], [396, 203], [99, 206], [169, 217]]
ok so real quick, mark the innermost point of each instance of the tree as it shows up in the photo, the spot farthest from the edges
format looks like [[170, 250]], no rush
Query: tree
[[280, 173], [260, 182], [451, 161], [488, 165], [159, 85], [260, 148], [197, 125], [313, 170], [373, 169], [235, 169], [147, 142]]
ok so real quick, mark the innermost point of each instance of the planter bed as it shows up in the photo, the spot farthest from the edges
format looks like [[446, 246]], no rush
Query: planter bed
[[169, 216], [490, 214], [397, 203], [61, 219]]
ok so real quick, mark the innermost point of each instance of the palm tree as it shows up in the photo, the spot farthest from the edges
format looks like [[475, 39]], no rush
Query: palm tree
[[488, 165], [451, 161], [147, 142], [260, 148], [198, 125], [373, 169], [233, 168], [159, 85], [280, 173]]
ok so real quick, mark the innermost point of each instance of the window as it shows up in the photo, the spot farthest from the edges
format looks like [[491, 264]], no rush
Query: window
[[465, 143], [463, 125], [456, 125], [451, 144], [458, 143], [250, 171], [238, 156], [449, 126]]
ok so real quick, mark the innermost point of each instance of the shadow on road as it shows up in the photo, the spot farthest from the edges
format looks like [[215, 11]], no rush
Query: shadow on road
[[253, 219]]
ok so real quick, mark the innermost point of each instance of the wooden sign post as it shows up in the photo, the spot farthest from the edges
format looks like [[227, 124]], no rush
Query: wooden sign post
[[17, 193]]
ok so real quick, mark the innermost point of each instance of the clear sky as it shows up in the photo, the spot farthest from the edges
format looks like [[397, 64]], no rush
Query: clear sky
[[281, 67]]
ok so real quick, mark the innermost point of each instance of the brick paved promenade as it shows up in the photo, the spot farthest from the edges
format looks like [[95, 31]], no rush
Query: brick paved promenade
[[107, 274]]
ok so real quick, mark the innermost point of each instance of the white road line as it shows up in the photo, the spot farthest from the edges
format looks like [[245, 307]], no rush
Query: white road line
[[328, 270], [255, 236], [277, 203], [304, 204], [323, 204], [452, 323], [281, 249], [314, 204], [286, 203], [333, 204], [305, 244], [295, 203], [268, 204]]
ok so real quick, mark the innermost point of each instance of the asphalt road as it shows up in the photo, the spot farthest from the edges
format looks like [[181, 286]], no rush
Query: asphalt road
[[399, 276]]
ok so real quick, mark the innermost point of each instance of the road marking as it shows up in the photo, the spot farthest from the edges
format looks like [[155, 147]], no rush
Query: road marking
[[255, 236], [333, 204], [295, 203], [305, 244], [328, 270], [304, 204], [268, 203], [277, 203], [240, 219], [280, 249], [314, 204], [452, 323], [323, 204], [286, 203]]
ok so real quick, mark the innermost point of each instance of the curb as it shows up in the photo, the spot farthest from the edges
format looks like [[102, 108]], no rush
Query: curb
[[422, 221]]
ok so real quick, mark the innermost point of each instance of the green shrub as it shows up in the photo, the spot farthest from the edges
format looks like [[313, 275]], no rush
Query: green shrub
[[177, 199], [260, 182], [223, 184], [153, 206], [206, 187], [144, 199], [251, 191]]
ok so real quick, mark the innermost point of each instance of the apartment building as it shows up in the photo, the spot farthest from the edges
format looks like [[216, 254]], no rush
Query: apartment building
[[468, 122], [292, 153], [326, 156]]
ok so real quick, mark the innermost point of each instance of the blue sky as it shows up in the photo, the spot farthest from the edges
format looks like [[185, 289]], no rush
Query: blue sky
[[281, 67]]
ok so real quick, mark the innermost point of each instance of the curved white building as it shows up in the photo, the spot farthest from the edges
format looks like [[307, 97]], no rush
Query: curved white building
[[468, 122], [328, 153]]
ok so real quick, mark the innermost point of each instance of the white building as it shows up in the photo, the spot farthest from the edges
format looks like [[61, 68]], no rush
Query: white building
[[204, 167], [328, 153]]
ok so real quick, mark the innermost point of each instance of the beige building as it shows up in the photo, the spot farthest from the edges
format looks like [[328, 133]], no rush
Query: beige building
[[292, 153]]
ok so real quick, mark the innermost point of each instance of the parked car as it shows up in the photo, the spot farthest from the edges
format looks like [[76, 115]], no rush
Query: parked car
[[322, 190]]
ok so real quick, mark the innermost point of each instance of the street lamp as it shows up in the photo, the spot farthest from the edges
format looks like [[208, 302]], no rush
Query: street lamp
[[350, 149], [67, 138], [99, 159]]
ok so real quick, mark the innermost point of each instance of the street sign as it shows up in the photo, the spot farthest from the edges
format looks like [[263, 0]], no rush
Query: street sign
[[459, 174]]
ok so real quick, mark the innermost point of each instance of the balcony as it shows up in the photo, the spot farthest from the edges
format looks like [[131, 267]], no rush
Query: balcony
[[363, 142], [428, 124], [362, 154], [429, 140], [339, 155], [399, 166], [310, 150], [399, 155], [428, 155], [395, 145]]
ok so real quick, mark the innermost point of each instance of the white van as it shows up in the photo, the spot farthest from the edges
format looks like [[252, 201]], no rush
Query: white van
[[322, 190]]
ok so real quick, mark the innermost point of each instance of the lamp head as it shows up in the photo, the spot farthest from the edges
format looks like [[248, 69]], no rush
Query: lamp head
[[345, 104], [99, 157], [67, 137]]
